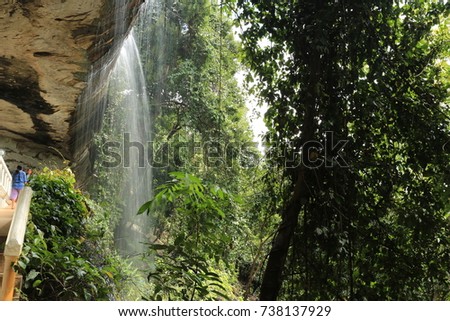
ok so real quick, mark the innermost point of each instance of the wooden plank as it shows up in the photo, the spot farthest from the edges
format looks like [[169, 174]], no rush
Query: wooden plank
[[9, 279], [18, 279], [17, 286]]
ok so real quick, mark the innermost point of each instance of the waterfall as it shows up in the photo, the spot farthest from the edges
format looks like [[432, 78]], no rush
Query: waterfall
[[131, 124], [112, 136]]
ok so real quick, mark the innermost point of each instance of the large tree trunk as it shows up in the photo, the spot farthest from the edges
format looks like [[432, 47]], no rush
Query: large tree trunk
[[273, 274], [273, 277]]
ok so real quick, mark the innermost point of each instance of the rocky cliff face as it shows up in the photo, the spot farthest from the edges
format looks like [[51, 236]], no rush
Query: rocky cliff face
[[47, 49]]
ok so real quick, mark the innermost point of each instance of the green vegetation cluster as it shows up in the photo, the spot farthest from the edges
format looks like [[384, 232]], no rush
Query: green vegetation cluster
[[208, 237], [213, 219], [366, 221], [69, 253]]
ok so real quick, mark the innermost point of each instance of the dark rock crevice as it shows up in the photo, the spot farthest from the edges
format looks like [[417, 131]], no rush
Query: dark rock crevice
[[19, 86]]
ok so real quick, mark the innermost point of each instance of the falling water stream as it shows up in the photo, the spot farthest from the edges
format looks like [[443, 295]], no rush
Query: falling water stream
[[115, 106], [132, 125]]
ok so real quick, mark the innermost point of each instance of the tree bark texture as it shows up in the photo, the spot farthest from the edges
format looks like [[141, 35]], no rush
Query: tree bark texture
[[273, 274]]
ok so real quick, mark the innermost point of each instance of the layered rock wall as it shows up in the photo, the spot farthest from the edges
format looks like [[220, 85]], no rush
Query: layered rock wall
[[47, 50]]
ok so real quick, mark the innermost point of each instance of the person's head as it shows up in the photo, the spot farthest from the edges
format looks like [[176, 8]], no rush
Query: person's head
[[19, 168]]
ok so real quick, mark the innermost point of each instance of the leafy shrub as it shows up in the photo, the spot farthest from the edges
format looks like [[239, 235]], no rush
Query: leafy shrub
[[67, 252], [196, 241], [57, 204]]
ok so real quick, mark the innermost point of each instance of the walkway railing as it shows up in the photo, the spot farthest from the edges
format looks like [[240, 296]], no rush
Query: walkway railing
[[5, 182], [14, 243]]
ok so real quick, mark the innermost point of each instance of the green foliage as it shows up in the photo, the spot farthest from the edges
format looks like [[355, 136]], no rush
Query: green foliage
[[190, 57], [67, 252], [56, 270], [374, 74], [199, 123], [106, 182], [195, 239], [59, 205]]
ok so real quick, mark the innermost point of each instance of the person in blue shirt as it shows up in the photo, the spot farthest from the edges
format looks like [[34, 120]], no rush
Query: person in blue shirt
[[19, 179]]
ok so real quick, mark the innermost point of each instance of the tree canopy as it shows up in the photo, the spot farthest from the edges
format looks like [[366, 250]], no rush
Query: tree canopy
[[358, 127]]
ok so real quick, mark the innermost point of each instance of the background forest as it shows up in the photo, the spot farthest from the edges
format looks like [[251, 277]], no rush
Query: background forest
[[348, 200]]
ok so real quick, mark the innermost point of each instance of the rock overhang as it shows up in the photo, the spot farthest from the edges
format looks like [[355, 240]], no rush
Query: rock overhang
[[47, 50]]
